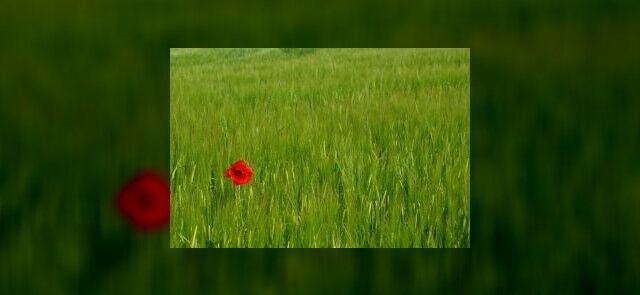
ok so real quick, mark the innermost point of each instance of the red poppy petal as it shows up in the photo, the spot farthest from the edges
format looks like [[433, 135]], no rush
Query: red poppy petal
[[239, 172], [144, 201]]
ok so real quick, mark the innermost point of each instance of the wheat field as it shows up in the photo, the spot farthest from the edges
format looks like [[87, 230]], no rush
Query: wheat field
[[365, 148]]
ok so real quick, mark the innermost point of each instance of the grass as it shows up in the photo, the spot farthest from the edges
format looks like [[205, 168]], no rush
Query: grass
[[350, 147]]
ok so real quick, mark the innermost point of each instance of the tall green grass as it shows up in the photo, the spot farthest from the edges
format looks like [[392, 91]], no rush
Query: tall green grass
[[350, 147]]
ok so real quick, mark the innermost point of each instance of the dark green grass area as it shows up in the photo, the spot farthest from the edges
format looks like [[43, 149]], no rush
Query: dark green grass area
[[351, 147], [555, 180]]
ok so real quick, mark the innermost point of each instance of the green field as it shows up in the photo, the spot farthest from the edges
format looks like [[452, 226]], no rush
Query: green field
[[349, 147]]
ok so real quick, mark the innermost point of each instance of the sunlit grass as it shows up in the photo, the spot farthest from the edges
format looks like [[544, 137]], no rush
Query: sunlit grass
[[350, 147]]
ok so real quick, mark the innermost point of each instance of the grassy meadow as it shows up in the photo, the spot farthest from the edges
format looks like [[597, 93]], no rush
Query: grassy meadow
[[349, 147]]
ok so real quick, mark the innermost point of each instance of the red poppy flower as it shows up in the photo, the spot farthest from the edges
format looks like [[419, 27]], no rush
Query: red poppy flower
[[239, 172], [144, 201]]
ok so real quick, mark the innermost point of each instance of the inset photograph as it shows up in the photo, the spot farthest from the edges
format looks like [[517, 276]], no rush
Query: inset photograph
[[320, 148]]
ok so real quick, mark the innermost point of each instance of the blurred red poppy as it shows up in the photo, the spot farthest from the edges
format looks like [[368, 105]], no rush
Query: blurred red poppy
[[144, 201], [239, 172]]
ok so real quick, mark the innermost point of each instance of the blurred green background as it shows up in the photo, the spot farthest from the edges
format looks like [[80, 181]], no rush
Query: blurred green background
[[555, 179]]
